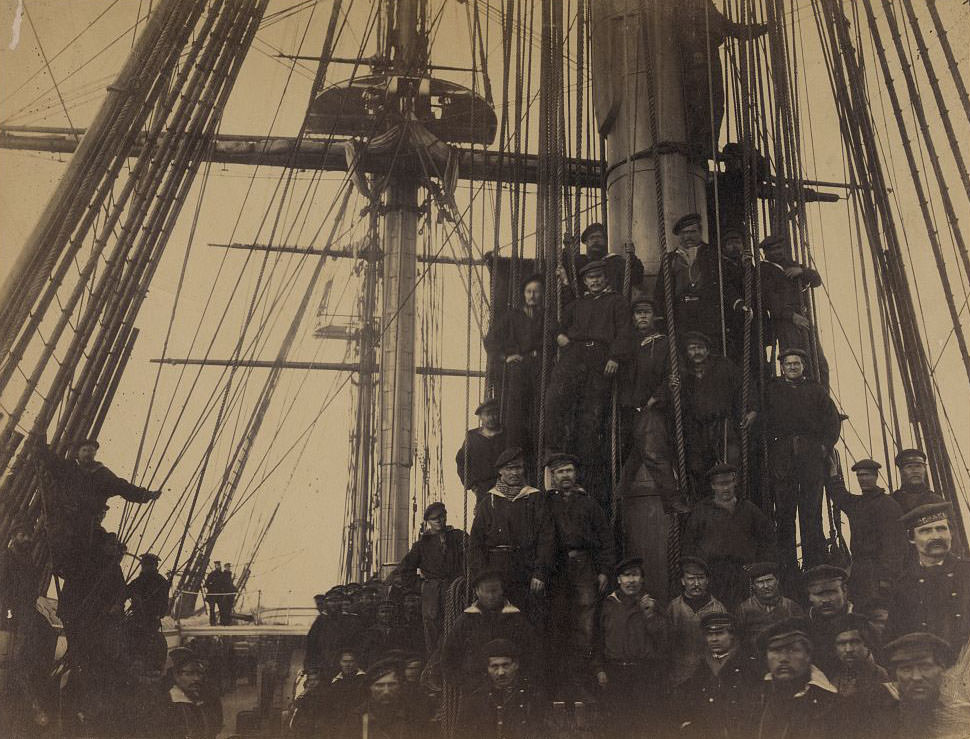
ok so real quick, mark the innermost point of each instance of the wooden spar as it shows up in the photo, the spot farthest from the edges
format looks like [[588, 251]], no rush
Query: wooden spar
[[921, 196], [346, 253], [951, 60], [109, 134]]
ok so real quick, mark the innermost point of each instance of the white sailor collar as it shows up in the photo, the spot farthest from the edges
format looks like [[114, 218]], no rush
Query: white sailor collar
[[507, 608], [816, 678]]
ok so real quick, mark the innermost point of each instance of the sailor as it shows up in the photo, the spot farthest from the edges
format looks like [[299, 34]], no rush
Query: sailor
[[365, 605], [914, 487], [439, 554], [419, 696], [629, 660], [917, 665], [642, 397], [783, 284], [190, 710], [712, 412], [516, 341], [346, 689], [308, 712], [797, 700], [483, 445], [212, 585], [331, 631], [594, 337], [766, 605], [491, 616], [594, 238], [736, 313], [878, 540], [701, 30], [933, 594], [148, 594], [228, 598], [828, 597], [717, 700], [412, 622], [507, 706], [384, 636], [857, 676], [728, 533], [384, 712], [684, 614], [583, 565], [802, 426], [513, 533]]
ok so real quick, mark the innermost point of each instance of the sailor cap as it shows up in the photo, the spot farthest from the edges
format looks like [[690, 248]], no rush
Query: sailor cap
[[926, 513], [691, 219]]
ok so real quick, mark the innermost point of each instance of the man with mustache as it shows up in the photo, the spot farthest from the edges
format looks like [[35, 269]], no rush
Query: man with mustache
[[932, 595]]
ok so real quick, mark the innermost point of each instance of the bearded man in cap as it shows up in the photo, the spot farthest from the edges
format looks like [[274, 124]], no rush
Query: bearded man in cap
[[914, 489], [802, 426], [878, 540], [858, 678], [439, 554], [717, 700], [384, 713], [506, 706], [728, 533], [784, 284], [491, 616], [594, 337], [514, 534], [515, 342], [828, 597], [331, 631], [630, 654], [932, 595], [766, 605], [684, 614], [583, 565], [148, 594], [190, 708], [482, 446], [797, 701]]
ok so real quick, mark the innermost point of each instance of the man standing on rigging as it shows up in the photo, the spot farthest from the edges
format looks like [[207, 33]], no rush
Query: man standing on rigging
[[483, 445], [594, 237], [914, 486]]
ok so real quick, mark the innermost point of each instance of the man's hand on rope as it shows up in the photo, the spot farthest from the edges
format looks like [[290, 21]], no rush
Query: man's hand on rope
[[156, 494], [611, 367], [562, 276], [562, 340], [799, 320], [748, 419], [537, 586], [514, 359], [604, 582], [793, 272]]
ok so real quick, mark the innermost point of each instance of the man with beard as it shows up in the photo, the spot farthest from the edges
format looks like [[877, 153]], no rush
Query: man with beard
[[717, 699], [148, 594], [594, 238], [507, 706], [932, 595], [684, 614], [914, 487], [728, 533], [516, 340], [829, 600], [513, 533], [797, 700], [384, 715], [858, 678], [583, 563], [629, 658], [483, 445], [331, 631], [802, 425], [694, 280], [440, 556], [766, 605], [878, 539], [189, 711]]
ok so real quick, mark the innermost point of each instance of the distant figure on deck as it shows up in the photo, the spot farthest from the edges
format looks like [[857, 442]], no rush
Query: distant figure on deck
[[439, 554], [701, 30], [879, 546], [148, 594], [212, 585], [476, 458], [914, 488], [783, 284], [516, 341], [228, 598]]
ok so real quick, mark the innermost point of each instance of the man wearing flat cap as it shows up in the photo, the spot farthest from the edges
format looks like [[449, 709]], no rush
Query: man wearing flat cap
[[515, 343], [825, 586], [331, 631], [514, 534], [914, 489], [802, 426], [878, 541], [491, 616], [439, 555], [717, 700], [684, 614], [595, 241], [482, 446], [148, 594], [384, 713], [506, 706], [385, 636], [728, 533], [190, 708], [594, 338], [766, 605], [734, 262], [932, 595], [630, 656], [797, 700], [859, 680], [583, 566], [784, 284]]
